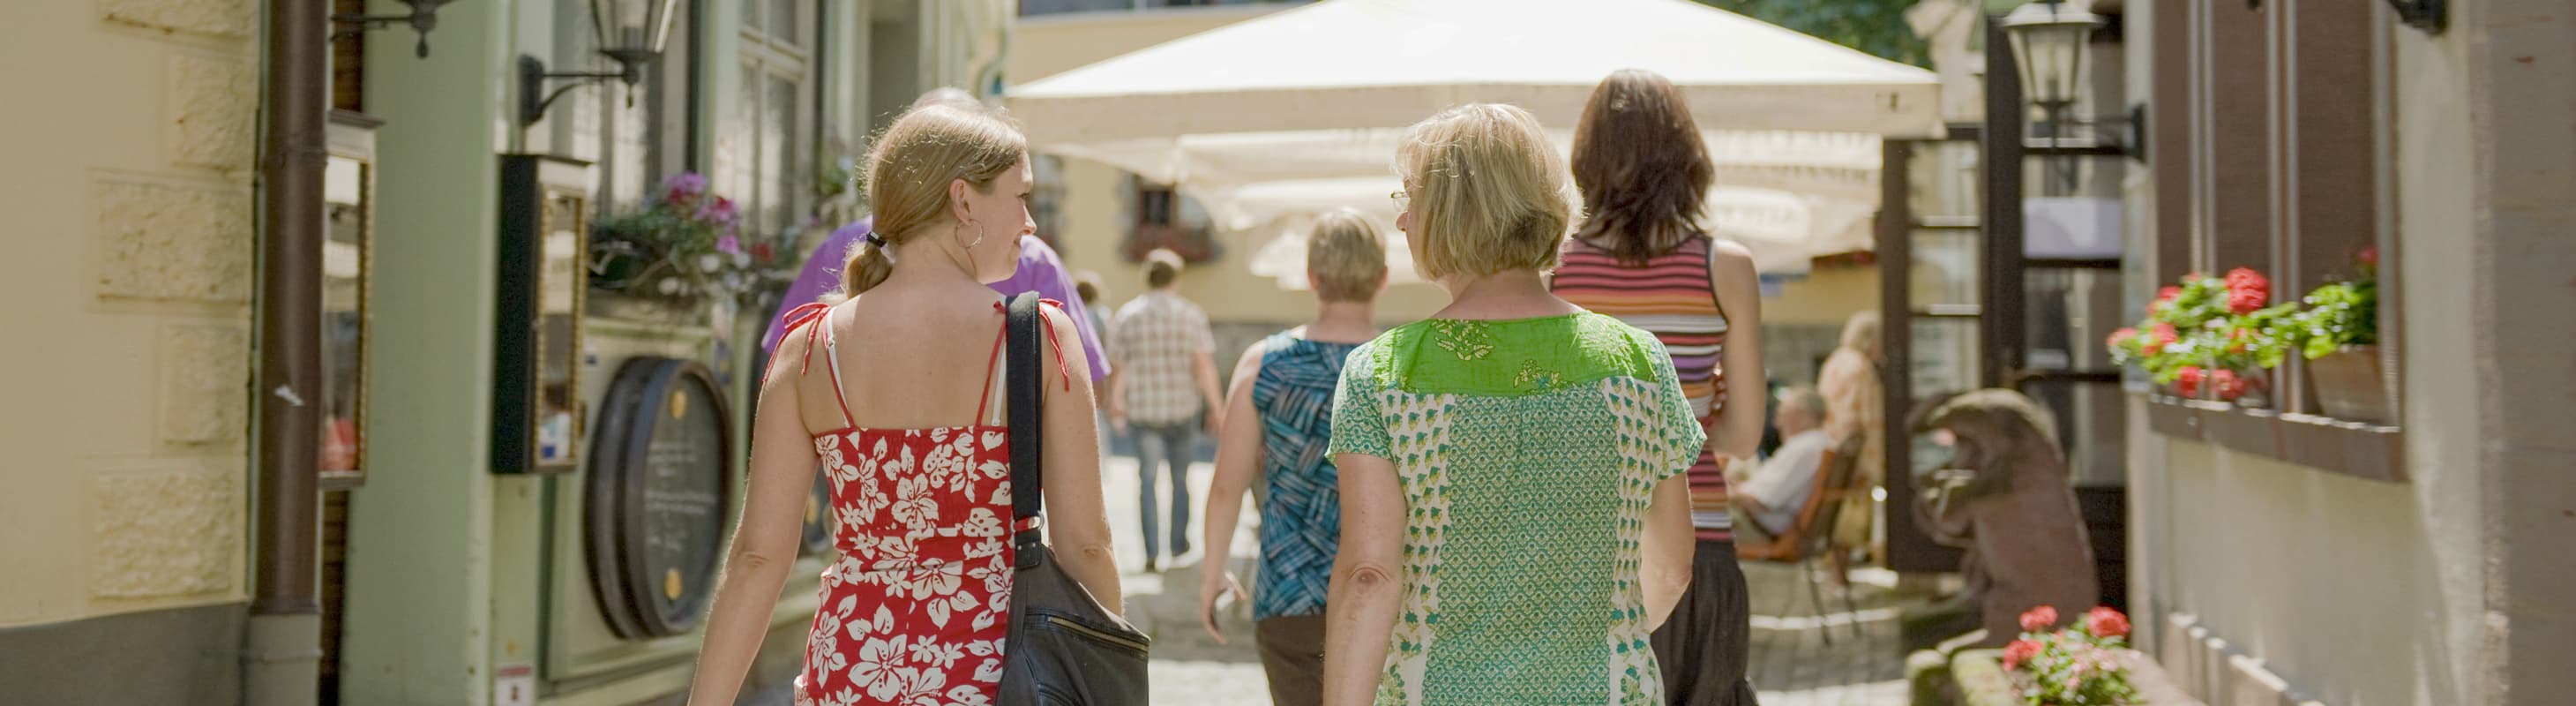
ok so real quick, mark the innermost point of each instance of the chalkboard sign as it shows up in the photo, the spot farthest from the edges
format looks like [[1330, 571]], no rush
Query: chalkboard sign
[[659, 490]]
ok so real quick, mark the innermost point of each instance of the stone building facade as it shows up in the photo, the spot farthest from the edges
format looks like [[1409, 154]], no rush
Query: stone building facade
[[134, 280], [132, 129]]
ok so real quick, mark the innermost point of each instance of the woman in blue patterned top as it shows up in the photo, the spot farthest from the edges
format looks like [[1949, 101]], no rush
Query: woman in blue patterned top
[[1277, 424]]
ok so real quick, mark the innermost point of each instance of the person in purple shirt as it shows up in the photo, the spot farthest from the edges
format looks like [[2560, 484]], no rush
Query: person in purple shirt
[[1039, 271]]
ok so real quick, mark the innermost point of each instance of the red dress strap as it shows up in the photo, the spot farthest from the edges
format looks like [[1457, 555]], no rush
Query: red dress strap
[[814, 318], [1044, 322], [795, 318]]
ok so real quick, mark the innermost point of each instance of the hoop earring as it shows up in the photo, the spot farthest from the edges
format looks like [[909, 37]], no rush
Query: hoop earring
[[979, 236]]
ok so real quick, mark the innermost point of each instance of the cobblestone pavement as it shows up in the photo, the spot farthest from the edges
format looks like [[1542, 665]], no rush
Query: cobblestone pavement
[[1792, 663]]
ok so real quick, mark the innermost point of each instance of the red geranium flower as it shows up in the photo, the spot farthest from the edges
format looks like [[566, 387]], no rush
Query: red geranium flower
[[2121, 336], [2247, 290], [2019, 653], [2242, 301], [2163, 335], [2164, 298], [2369, 256], [2186, 383], [2038, 619], [2105, 622], [2226, 384]]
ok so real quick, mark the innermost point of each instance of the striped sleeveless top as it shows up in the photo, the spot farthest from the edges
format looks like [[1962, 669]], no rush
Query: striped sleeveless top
[[1669, 296]]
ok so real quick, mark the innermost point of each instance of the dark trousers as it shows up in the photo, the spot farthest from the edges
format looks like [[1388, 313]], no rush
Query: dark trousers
[[1705, 647], [1292, 656]]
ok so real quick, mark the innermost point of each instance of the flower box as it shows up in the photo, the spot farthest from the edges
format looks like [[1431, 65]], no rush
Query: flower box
[[1983, 681], [2349, 385]]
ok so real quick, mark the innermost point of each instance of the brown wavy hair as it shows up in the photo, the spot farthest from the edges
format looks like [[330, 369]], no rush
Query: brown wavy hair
[[1641, 167]]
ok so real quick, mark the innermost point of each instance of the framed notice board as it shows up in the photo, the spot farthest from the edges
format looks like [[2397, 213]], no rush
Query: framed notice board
[[536, 348]]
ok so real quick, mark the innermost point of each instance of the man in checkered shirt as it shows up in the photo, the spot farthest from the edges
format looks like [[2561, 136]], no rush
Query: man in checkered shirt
[[1162, 371]]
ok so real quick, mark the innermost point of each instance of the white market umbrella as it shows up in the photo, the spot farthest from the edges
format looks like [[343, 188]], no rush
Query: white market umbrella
[[1389, 63], [1272, 119]]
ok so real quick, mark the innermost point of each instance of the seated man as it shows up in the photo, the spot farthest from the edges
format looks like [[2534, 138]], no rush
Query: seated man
[[1766, 499]]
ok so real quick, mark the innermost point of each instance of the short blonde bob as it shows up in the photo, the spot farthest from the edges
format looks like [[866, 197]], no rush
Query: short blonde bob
[[1488, 192], [1345, 257]]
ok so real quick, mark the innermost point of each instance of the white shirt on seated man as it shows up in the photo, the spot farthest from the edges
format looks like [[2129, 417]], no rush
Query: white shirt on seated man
[[1767, 498]]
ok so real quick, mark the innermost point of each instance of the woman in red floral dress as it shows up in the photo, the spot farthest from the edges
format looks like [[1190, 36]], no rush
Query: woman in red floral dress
[[916, 608]]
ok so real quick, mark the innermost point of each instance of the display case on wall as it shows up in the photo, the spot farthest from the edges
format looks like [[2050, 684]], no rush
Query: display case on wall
[[349, 212], [537, 414]]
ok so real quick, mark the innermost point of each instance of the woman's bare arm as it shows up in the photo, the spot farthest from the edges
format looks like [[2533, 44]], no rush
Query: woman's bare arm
[[1738, 431], [766, 539], [1665, 552], [1365, 596], [1238, 466], [1077, 522]]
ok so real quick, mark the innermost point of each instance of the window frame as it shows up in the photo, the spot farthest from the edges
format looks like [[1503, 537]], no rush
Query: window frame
[[1163, 221], [770, 57], [2307, 135]]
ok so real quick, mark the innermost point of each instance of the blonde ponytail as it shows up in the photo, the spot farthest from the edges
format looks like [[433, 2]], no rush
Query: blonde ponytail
[[866, 267], [910, 169]]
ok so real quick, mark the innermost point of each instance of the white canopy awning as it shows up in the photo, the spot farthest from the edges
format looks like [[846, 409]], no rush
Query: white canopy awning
[[1271, 119], [1389, 63]]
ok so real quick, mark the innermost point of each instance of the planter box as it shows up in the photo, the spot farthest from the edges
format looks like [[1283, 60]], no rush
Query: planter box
[[2349, 385], [1983, 681], [644, 310]]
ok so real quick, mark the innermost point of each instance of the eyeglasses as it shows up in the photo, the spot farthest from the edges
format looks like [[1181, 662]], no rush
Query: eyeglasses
[[1403, 201]]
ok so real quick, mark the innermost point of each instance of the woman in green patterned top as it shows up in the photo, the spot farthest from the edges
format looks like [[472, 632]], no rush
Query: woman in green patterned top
[[1514, 521]]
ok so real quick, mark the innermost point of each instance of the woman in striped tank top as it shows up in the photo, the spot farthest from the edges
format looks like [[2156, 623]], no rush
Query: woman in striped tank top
[[1641, 256]]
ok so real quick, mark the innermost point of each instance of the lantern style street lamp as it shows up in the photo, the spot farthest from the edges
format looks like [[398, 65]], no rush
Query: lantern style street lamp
[[2048, 42], [631, 32]]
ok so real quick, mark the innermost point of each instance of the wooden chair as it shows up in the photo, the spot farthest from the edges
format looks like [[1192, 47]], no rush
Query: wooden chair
[[1810, 535]]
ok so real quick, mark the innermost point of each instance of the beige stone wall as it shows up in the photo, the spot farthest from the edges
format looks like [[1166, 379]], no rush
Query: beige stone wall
[[132, 126]]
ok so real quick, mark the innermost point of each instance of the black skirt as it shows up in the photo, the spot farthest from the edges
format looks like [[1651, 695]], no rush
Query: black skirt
[[1704, 648]]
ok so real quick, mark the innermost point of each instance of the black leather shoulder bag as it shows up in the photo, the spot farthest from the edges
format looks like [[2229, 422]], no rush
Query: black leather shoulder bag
[[1064, 648]]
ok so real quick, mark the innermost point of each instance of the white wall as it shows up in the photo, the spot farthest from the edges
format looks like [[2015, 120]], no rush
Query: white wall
[[2366, 593]]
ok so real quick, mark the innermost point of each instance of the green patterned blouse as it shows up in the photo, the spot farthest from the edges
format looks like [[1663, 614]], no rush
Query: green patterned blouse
[[1527, 450]]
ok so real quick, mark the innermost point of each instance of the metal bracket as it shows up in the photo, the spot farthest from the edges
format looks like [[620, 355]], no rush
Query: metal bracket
[[534, 98], [2432, 16], [421, 21]]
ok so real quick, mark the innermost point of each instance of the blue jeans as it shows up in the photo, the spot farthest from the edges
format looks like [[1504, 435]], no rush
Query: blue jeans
[[1166, 445]]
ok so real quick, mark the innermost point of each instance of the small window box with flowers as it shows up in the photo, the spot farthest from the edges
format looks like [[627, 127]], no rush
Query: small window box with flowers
[[2081, 664], [685, 249], [2338, 332], [2086, 663], [2212, 338], [2219, 338], [2213, 342]]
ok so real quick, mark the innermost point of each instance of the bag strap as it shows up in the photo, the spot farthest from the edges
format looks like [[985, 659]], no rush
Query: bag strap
[[1025, 374]]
